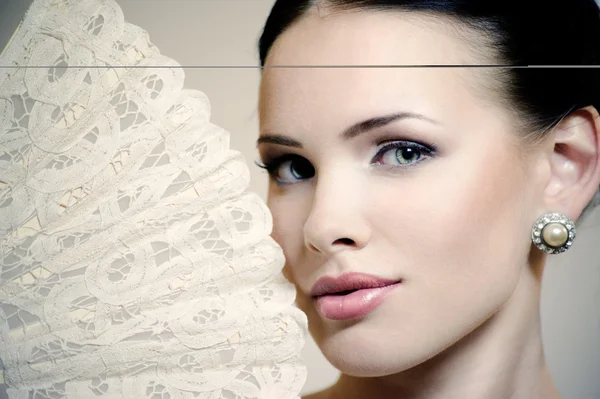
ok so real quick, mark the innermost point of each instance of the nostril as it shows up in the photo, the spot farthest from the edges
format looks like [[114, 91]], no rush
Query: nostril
[[346, 241]]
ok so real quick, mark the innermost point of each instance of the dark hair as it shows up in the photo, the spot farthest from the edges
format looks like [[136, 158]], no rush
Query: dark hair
[[522, 33]]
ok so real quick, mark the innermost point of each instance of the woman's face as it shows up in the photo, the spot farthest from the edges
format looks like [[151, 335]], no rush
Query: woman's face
[[435, 196]]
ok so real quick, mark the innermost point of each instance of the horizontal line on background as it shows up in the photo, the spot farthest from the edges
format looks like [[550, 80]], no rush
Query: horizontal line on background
[[297, 66]]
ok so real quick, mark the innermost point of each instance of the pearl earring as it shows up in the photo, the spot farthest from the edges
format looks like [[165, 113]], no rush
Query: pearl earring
[[553, 233]]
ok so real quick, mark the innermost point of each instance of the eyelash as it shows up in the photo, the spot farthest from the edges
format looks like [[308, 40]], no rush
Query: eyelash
[[272, 165]]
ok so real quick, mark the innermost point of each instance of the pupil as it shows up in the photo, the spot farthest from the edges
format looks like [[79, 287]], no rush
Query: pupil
[[301, 168], [405, 154]]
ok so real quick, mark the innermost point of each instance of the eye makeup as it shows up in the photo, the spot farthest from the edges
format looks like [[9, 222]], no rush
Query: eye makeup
[[301, 169]]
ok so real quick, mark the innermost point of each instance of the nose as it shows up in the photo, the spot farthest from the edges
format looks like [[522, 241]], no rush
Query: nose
[[336, 221]]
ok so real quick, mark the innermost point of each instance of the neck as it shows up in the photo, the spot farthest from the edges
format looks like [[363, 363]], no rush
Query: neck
[[501, 359]]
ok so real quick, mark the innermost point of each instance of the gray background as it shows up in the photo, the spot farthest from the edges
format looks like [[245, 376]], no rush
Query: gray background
[[225, 32]]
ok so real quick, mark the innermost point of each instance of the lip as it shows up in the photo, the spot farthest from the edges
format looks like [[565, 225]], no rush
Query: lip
[[370, 292], [348, 281]]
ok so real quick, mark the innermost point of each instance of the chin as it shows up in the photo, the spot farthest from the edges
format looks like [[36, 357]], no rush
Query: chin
[[358, 361], [360, 351]]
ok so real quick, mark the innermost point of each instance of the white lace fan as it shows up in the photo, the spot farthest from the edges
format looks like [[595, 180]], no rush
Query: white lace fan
[[133, 261]]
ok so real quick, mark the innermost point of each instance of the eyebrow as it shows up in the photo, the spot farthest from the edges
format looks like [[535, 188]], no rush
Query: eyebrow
[[351, 132]]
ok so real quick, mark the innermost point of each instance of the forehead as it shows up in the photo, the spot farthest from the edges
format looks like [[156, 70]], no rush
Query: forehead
[[376, 36], [357, 38]]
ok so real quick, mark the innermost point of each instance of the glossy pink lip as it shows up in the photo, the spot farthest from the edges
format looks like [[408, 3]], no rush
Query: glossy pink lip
[[351, 295], [347, 282], [354, 305]]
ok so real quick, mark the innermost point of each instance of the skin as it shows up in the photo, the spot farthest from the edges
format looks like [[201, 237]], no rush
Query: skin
[[454, 226]]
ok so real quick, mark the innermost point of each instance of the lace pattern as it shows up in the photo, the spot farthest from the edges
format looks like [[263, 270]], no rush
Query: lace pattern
[[134, 263]]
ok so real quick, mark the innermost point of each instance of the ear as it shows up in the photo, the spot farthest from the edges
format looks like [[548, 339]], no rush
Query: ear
[[575, 163]]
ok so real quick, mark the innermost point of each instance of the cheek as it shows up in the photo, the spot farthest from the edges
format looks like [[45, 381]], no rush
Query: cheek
[[460, 229], [288, 223], [486, 225]]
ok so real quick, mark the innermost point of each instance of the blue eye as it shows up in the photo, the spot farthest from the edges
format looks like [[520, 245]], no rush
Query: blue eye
[[289, 168], [402, 153], [292, 168]]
